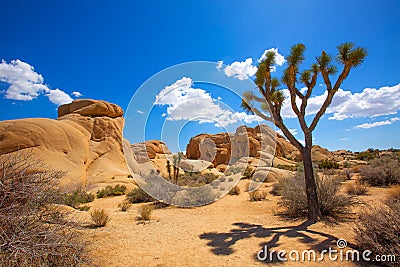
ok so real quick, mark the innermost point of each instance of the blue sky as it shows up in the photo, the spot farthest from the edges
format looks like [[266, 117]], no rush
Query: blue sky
[[105, 50]]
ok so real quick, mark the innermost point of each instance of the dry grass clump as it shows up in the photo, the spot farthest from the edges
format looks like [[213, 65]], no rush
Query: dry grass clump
[[235, 190], [145, 212], [125, 205], [257, 195], [100, 217], [34, 230], [378, 230], [357, 189], [294, 200]]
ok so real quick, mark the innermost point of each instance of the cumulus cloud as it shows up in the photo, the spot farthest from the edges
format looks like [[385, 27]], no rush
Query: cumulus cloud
[[25, 84], [76, 94], [58, 97], [244, 69], [371, 102], [139, 111], [241, 70], [377, 123], [187, 103]]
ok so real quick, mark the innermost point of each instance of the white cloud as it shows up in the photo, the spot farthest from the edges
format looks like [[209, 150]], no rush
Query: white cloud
[[139, 111], [279, 59], [244, 69], [343, 139], [76, 94], [25, 84], [164, 115], [293, 131], [240, 70], [377, 123], [370, 102], [187, 103], [58, 97]]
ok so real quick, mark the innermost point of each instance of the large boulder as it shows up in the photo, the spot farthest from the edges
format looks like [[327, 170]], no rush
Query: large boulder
[[85, 141], [227, 148]]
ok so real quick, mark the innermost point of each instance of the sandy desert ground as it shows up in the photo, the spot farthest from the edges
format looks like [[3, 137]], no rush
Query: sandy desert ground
[[228, 232]]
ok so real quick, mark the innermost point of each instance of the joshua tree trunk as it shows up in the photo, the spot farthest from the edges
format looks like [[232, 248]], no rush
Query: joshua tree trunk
[[314, 212]]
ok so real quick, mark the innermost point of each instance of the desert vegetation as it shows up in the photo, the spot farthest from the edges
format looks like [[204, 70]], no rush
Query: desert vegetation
[[35, 230], [99, 217], [108, 191]]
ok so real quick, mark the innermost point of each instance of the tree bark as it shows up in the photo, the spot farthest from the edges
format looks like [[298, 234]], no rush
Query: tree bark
[[314, 211]]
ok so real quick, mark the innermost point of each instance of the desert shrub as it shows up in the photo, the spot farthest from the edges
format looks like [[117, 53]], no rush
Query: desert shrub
[[125, 205], [378, 230], [109, 191], [34, 230], [357, 189], [100, 217], [257, 195], [234, 170], [77, 197], [328, 164], [83, 208], [393, 197], [286, 167], [230, 179], [368, 154], [277, 188], [332, 204], [195, 179], [300, 167], [194, 197], [138, 195], [348, 173], [382, 172], [248, 172], [145, 212], [235, 190]]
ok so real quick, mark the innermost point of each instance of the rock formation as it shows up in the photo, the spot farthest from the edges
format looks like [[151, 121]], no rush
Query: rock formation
[[85, 141]]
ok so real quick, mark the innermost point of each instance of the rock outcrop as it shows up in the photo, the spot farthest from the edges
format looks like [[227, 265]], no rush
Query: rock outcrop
[[85, 141], [227, 148]]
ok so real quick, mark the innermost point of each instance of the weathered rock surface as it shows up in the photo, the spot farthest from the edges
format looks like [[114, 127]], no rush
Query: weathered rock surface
[[226, 148], [85, 141]]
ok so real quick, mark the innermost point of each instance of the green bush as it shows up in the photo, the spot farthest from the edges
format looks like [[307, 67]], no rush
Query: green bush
[[108, 191], [332, 204], [77, 197], [138, 195], [368, 154], [328, 164]]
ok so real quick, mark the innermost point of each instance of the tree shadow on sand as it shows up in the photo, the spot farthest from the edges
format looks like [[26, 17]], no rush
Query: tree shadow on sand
[[221, 243]]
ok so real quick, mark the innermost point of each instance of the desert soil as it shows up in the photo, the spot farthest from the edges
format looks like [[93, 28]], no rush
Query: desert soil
[[228, 232]]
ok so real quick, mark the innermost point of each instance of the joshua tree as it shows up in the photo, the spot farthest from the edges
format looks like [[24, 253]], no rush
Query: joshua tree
[[348, 56], [177, 161], [169, 169]]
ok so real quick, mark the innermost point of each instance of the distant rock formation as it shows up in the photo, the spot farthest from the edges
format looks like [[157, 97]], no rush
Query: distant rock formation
[[149, 150], [85, 141], [227, 148]]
